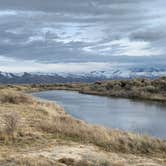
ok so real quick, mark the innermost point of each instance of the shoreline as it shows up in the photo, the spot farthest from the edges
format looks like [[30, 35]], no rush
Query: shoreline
[[137, 100], [141, 89], [137, 89]]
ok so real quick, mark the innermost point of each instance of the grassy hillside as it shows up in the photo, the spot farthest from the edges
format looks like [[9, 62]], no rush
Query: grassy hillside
[[37, 133]]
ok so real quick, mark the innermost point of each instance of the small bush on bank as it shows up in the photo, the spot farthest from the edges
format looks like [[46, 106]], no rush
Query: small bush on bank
[[150, 89], [10, 126], [14, 98], [11, 123]]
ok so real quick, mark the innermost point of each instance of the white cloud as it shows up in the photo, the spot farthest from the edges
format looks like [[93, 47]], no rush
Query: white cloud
[[124, 47], [135, 48], [5, 60], [18, 65], [20, 13], [74, 32], [35, 38], [7, 13]]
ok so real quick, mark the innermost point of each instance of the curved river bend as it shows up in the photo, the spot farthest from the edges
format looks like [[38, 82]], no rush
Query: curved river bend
[[129, 115]]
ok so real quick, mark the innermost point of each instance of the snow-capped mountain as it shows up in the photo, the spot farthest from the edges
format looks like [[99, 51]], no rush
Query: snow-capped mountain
[[91, 76], [43, 78]]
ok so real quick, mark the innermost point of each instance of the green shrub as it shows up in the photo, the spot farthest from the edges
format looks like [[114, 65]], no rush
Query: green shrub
[[151, 89]]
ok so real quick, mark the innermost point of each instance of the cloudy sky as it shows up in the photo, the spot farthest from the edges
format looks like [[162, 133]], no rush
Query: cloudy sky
[[80, 35]]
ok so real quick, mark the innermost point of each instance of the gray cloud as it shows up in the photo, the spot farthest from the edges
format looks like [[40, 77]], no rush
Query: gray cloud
[[82, 31]]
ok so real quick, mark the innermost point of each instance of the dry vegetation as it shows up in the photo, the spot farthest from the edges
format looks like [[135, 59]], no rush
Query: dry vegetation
[[135, 89], [145, 89], [37, 133]]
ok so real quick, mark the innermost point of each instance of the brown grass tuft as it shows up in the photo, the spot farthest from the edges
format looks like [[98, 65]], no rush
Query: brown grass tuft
[[11, 122], [9, 126], [14, 97]]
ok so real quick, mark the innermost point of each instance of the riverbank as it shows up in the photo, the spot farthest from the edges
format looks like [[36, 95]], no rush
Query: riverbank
[[41, 133], [142, 89], [136, 116]]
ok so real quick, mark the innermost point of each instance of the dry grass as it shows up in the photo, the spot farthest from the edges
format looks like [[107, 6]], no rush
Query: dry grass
[[135, 89], [8, 130], [11, 122], [11, 97], [43, 161], [110, 140], [27, 123], [29, 161], [83, 162]]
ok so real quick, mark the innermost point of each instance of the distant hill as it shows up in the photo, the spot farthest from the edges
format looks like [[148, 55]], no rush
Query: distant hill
[[91, 76], [29, 78]]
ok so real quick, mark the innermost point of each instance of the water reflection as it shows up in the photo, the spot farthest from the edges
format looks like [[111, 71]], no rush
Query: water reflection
[[129, 115]]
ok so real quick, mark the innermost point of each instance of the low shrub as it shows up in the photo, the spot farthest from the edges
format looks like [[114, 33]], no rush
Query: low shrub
[[14, 98], [10, 126], [11, 121]]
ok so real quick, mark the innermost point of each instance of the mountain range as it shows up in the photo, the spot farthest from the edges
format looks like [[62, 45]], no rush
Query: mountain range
[[91, 76]]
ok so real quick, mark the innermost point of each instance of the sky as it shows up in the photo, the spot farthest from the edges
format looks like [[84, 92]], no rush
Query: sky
[[81, 35]]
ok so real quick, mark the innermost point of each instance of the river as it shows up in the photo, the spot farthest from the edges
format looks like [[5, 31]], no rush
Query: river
[[141, 117]]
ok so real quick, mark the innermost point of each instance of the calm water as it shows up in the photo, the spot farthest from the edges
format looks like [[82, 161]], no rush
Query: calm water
[[135, 116]]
